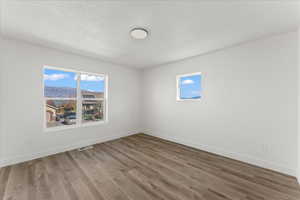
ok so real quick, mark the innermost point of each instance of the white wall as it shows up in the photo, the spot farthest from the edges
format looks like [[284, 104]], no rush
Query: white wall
[[248, 110], [1, 104], [22, 112], [298, 157]]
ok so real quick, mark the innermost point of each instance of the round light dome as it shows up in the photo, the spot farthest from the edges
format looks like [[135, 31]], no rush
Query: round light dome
[[139, 33]]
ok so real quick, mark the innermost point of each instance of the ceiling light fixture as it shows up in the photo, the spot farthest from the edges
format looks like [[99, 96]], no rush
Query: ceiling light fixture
[[139, 33]]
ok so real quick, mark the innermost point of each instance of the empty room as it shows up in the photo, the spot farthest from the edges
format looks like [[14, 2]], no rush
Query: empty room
[[150, 100]]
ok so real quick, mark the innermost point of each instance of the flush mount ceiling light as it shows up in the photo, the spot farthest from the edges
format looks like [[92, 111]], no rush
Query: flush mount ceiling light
[[139, 33]]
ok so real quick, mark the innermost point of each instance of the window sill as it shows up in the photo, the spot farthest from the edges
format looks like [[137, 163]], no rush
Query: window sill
[[61, 128], [180, 100]]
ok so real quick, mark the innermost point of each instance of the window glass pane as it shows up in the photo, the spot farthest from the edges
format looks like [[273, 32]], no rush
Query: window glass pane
[[190, 87], [60, 112], [59, 83], [92, 110], [92, 86]]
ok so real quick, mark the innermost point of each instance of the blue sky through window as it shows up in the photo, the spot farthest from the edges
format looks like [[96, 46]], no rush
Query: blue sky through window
[[64, 79], [58, 78], [190, 87], [92, 83]]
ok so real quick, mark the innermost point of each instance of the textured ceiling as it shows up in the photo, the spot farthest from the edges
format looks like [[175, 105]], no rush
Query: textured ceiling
[[178, 29]]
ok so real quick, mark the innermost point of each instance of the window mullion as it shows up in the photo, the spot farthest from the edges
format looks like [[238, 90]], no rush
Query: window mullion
[[92, 99], [79, 100], [105, 114], [58, 98]]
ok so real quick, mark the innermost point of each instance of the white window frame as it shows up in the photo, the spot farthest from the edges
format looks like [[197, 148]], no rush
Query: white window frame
[[178, 77], [79, 100]]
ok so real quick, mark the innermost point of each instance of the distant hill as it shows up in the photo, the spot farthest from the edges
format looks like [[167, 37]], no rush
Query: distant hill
[[65, 92], [194, 97]]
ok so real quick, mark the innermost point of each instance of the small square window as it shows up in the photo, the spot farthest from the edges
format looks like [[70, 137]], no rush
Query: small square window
[[189, 87]]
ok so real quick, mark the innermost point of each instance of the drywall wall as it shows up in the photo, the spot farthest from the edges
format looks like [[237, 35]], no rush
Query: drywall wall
[[298, 156], [22, 111], [248, 109], [1, 105]]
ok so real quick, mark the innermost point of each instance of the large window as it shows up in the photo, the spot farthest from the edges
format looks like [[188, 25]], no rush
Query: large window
[[189, 87], [73, 98]]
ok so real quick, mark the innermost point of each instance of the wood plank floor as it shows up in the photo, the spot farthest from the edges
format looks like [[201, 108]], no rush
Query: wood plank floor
[[142, 167]]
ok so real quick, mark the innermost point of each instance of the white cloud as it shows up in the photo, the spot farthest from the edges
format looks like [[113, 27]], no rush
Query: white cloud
[[55, 77], [187, 81], [86, 77]]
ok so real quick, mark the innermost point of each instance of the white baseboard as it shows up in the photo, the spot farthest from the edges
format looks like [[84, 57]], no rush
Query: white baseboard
[[60, 149], [237, 156]]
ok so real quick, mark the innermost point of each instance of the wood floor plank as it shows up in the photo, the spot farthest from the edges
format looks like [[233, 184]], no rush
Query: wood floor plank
[[4, 175], [182, 168], [132, 168], [17, 183], [199, 172], [83, 188], [220, 160], [246, 181], [177, 174], [105, 185], [154, 180], [43, 190], [119, 174], [143, 167], [57, 188], [31, 182], [63, 177]]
